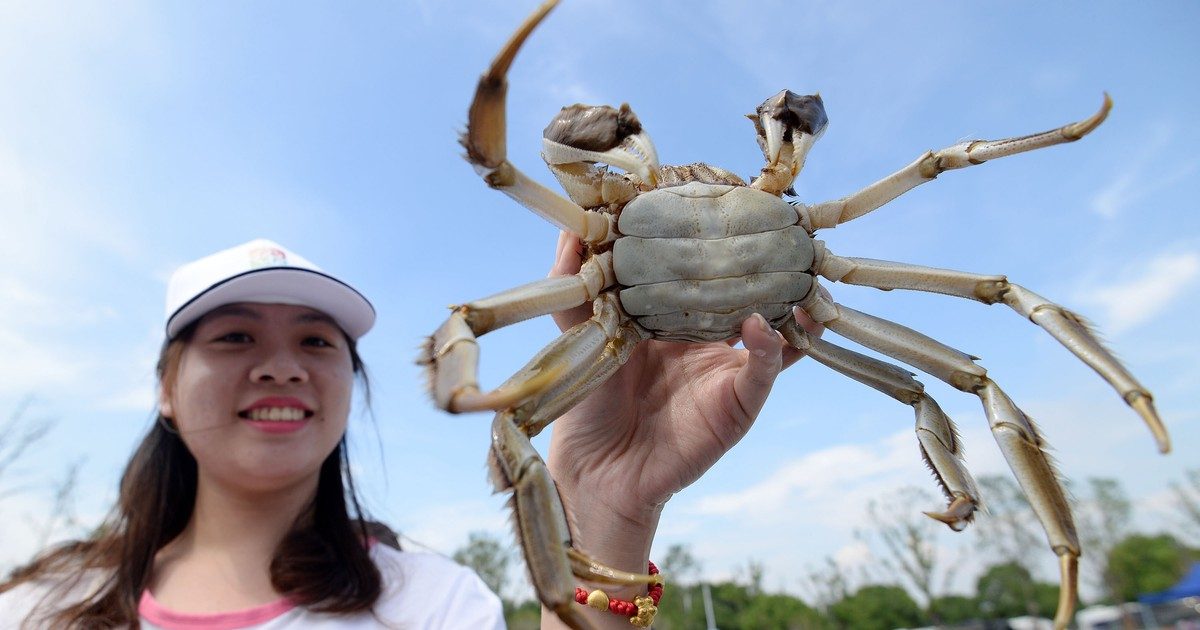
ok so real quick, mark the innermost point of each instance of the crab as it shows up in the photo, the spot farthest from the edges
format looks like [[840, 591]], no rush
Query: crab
[[687, 253]]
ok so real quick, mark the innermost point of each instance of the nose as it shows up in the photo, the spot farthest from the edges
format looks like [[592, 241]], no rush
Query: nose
[[279, 366]]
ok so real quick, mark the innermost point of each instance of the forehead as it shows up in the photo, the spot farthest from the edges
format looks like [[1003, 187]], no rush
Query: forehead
[[268, 313]]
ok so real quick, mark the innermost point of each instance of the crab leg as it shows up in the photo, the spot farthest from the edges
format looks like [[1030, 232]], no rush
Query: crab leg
[[452, 353], [1068, 328], [540, 519], [935, 431], [832, 213], [1015, 433], [486, 147]]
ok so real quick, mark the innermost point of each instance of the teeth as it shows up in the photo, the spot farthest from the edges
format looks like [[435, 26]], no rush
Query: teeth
[[276, 414]]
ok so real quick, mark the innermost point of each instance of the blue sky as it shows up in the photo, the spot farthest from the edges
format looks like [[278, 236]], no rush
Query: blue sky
[[137, 136]]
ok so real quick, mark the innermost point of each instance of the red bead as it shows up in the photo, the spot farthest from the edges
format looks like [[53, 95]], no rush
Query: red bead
[[623, 607]]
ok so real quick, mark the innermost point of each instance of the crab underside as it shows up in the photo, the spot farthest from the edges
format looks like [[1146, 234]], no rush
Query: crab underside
[[686, 253]]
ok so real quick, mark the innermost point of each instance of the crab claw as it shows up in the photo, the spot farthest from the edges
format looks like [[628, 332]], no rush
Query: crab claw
[[599, 133], [780, 118]]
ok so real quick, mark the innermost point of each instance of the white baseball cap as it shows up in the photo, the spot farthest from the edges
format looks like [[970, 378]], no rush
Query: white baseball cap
[[265, 272]]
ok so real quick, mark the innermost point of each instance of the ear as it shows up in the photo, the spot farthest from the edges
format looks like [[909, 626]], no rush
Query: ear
[[166, 408]]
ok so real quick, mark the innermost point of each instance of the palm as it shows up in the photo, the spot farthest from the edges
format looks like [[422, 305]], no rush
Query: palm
[[657, 424], [666, 416]]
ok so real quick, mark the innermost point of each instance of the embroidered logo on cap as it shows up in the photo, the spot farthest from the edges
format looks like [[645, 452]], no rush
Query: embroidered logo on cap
[[267, 257]]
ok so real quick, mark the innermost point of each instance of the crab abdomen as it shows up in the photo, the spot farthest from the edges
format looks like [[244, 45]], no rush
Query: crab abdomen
[[696, 260]]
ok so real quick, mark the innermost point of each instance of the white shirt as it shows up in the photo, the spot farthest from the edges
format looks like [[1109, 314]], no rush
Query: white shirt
[[421, 591]]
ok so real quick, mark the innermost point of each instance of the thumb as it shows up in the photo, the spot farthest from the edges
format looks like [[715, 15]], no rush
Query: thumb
[[764, 348]]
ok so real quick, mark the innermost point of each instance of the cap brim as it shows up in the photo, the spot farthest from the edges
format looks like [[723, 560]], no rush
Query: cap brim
[[282, 285]]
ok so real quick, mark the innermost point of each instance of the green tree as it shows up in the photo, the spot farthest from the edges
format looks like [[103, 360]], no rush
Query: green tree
[[489, 558], [755, 571], [729, 599], [905, 541], [1103, 517], [1144, 564], [525, 616], [1009, 530], [1187, 501], [877, 608], [682, 570], [780, 612], [1008, 590], [826, 584], [953, 609]]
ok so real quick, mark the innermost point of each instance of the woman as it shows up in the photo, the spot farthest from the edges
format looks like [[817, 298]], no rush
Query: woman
[[232, 512]]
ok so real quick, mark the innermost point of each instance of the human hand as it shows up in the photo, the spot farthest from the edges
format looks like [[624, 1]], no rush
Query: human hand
[[655, 426]]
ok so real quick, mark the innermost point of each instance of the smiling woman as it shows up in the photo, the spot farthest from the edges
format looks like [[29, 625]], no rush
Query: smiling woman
[[238, 508]]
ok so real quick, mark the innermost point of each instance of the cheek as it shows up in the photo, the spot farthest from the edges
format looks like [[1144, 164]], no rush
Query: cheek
[[343, 390], [197, 398], [338, 391]]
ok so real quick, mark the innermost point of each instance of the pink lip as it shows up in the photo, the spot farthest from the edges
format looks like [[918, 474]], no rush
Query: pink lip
[[275, 427], [278, 401]]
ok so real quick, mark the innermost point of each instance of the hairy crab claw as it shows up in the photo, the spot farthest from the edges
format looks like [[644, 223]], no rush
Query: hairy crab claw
[[599, 133], [780, 118]]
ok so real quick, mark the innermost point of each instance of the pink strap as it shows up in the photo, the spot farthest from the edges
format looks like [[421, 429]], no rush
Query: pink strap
[[155, 613]]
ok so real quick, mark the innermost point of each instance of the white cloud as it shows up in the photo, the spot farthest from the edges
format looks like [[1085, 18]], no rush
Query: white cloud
[[1142, 175], [825, 476], [445, 527], [854, 554], [30, 367], [29, 526], [1139, 299]]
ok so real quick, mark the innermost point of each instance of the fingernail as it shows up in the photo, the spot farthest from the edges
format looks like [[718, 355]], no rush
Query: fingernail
[[760, 353], [762, 323]]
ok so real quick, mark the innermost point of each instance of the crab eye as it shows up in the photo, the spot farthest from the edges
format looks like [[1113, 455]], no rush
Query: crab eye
[[592, 127], [805, 114]]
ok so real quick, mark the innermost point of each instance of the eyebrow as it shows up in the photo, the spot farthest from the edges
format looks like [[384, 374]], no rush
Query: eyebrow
[[317, 316]]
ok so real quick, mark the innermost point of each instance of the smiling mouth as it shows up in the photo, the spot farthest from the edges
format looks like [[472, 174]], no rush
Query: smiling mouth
[[276, 414]]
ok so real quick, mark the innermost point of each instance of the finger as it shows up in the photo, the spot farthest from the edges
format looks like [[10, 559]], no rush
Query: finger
[[815, 329], [764, 361], [568, 257], [791, 354], [810, 325]]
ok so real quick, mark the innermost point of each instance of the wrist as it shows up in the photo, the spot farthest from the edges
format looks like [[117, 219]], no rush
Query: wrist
[[618, 536]]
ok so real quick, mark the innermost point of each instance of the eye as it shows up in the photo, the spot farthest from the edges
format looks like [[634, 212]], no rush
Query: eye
[[234, 337], [317, 342]]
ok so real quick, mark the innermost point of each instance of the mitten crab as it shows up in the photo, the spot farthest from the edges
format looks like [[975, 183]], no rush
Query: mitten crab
[[686, 254]]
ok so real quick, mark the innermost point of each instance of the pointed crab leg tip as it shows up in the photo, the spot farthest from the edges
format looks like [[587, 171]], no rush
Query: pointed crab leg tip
[[504, 59], [1069, 569], [953, 523], [1144, 406], [957, 515], [1082, 128], [474, 400]]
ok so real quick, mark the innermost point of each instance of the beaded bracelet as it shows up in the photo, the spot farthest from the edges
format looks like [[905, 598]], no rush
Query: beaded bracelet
[[640, 611]]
